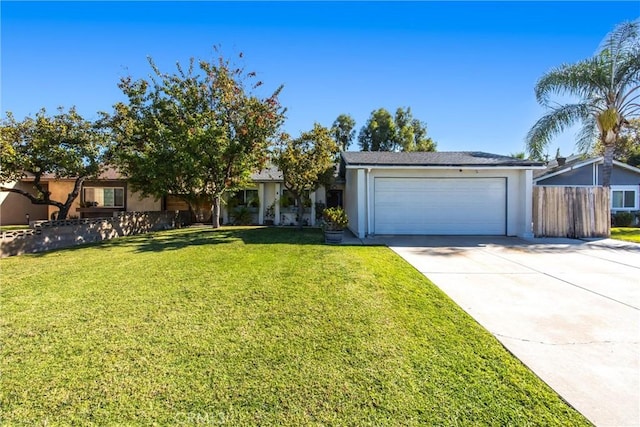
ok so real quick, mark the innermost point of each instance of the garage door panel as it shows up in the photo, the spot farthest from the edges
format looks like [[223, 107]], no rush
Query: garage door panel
[[440, 206]]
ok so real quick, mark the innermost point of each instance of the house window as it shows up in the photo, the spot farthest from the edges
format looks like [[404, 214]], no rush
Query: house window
[[288, 200], [247, 198], [109, 197], [623, 199]]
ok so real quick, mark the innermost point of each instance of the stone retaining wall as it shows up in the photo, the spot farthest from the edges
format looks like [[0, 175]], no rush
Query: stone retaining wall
[[50, 235]]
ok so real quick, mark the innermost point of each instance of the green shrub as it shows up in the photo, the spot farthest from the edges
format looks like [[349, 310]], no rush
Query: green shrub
[[623, 219], [242, 216], [335, 218]]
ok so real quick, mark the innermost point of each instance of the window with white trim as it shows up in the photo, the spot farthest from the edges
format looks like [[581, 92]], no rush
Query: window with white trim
[[248, 197], [624, 199], [109, 197]]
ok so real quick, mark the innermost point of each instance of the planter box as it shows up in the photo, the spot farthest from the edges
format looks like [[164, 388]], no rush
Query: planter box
[[333, 237]]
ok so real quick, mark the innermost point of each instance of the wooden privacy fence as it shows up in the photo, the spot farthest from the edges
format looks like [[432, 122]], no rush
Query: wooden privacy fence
[[574, 212]]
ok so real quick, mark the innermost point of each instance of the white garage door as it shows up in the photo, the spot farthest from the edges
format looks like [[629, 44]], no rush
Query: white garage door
[[440, 206]]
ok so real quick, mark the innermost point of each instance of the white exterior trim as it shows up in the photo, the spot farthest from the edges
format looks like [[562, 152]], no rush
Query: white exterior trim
[[370, 202], [634, 188], [276, 202], [362, 214], [262, 199], [430, 167], [528, 205], [595, 162]]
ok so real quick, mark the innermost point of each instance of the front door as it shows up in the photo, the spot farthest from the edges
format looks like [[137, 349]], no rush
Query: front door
[[334, 198]]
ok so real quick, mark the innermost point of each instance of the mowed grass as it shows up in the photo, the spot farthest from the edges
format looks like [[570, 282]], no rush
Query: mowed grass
[[627, 234], [249, 326]]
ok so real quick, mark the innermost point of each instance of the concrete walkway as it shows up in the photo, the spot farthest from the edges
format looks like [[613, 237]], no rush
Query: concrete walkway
[[569, 310]]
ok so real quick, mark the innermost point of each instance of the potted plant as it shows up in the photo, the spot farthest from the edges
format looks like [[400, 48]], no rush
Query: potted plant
[[334, 222]]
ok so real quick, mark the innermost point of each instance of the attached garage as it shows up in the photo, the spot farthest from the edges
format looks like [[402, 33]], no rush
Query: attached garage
[[440, 206], [443, 193]]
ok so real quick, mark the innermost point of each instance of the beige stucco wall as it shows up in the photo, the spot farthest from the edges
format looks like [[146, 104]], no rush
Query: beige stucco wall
[[60, 191], [14, 207], [137, 203]]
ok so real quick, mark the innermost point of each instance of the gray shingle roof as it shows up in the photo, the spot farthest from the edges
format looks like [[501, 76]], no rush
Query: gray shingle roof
[[269, 174], [441, 158]]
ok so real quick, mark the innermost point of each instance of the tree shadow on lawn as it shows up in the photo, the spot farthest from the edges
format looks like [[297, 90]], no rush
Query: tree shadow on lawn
[[202, 236]]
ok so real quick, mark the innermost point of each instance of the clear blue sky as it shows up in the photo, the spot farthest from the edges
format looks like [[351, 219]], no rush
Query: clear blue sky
[[467, 69]]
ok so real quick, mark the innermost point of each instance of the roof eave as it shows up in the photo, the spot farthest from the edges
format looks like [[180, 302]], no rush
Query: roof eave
[[448, 166]]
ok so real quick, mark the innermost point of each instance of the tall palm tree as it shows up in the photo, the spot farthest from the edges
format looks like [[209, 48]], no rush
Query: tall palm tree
[[607, 88]]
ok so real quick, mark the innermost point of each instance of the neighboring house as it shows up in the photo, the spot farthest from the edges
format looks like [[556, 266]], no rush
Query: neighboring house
[[576, 171], [471, 193], [98, 198]]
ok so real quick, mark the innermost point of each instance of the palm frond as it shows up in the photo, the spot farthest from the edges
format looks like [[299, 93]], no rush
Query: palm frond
[[621, 38], [587, 136], [553, 123], [582, 79]]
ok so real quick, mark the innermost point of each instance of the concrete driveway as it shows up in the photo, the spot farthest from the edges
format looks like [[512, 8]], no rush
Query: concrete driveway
[[569, 310]]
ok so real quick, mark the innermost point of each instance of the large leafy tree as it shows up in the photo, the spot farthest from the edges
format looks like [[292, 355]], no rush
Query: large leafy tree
[[628, 146], [607, 92], [63, 145], [343, 130], [399, 132], [379, 133], [306, 162], [411, 133], [196, 133]]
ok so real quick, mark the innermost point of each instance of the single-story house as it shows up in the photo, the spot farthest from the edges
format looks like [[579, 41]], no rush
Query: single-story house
[[382, 192], [266, 201], [577, 171], [98, 198], [471, 193], [280, 207]]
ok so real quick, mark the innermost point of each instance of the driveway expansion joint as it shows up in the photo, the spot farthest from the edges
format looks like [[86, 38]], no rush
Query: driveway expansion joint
[[565, 343], [563, 280]]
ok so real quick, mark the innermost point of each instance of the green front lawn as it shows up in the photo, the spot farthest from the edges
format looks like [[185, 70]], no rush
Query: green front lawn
[[249, 326], [624, 233]]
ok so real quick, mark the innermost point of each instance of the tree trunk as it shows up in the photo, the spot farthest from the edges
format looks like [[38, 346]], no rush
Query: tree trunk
[[215, 211], [64, 209], [63, 212], [607, 165]]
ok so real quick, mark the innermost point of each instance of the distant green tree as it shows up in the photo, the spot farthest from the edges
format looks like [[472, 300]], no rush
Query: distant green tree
[[194, 134], [306, 162], [343, 131], [379, 134], [606, 87], [402, 132], [64, 145], [519, 155], [411, 133], [627, 148]]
